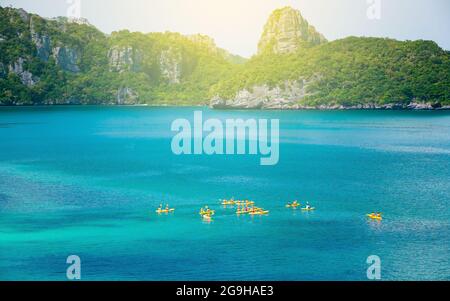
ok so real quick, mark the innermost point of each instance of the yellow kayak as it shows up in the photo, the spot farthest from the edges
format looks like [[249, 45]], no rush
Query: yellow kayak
[[262, 212], [207, 212], [375, 216], [293, 205], [164, 210], [225, 203], [245, 203], [309, 209]]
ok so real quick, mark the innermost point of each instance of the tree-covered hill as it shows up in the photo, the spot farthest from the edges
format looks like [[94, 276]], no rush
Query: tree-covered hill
[[62, 61], [297, 68], [352, 71]]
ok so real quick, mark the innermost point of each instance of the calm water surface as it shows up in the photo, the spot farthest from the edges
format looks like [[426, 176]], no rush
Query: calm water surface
[[86, 181]]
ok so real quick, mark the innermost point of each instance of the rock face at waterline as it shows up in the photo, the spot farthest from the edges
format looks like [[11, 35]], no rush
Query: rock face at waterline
[[282, 96]]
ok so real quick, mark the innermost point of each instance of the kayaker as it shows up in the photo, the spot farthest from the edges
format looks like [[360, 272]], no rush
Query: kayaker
[[308, 206]]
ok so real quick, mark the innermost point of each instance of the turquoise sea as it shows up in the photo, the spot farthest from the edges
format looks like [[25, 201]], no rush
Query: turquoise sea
[[87, 181]]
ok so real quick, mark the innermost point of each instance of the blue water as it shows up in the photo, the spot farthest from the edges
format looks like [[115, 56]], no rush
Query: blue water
[[86, 181]]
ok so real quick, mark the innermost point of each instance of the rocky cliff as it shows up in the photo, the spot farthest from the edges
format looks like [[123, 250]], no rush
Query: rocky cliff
[[284, 96], [170, 64], [286, 31], [26, 77], [123, 58]]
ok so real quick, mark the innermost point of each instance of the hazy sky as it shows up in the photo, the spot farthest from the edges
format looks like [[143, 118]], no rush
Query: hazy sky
[[236, 25]]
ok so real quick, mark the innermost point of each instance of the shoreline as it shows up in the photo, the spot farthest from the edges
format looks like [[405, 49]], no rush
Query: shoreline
[[389, 107], [412, 106]]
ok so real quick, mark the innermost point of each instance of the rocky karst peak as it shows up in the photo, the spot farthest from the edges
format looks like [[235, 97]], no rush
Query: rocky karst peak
[[286, 31]]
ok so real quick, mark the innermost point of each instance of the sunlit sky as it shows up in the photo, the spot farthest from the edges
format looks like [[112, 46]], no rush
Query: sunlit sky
[[236, 25]]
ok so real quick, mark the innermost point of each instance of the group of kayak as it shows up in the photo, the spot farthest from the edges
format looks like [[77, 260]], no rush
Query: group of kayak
[[248, 207], [245, 207], [232, 202], [296, 204], [251, 210]]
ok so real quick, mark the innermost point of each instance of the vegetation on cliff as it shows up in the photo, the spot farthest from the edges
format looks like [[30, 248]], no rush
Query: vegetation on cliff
[[353, 71], [59, 61]]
